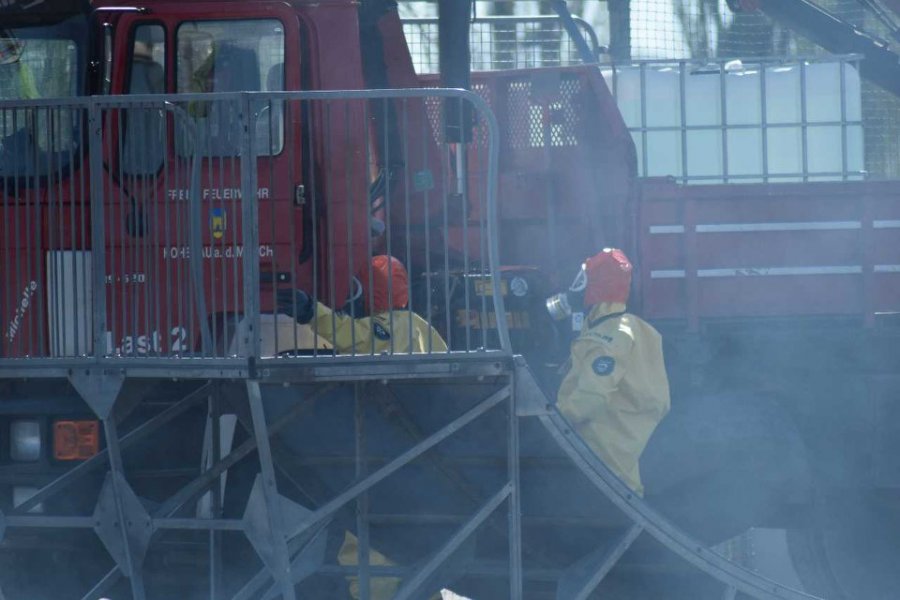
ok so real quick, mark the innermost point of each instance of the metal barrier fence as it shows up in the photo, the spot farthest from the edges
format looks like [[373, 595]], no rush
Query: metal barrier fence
[[504, 43], [179, 191]]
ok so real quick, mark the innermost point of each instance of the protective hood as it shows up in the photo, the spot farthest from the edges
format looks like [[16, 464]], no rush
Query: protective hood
[[389, 285], [608, 277]]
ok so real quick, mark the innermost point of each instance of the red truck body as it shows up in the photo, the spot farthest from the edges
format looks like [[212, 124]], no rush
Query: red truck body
[[763, 251], [567, 186]]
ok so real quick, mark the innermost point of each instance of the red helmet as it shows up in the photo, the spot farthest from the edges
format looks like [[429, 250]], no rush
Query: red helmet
[[385, 269], [608, 277]]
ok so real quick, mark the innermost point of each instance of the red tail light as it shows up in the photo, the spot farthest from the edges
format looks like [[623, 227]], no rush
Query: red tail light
[[75, 440]]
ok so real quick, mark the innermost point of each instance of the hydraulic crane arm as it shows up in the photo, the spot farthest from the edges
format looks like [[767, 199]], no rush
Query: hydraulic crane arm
[[881, 63]]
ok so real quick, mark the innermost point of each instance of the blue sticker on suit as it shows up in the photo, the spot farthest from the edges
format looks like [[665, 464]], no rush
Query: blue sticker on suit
[[380, 332], [604, 365]]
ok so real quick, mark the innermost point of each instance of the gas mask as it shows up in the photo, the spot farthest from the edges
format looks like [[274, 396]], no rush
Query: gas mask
[[562, 305]]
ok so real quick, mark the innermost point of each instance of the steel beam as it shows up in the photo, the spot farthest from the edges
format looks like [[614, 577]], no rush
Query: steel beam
[[580, 580], [50, 522], [123, 525], [249, 226], [119, 486], [305, 553], [196, 488], [412, 587], [102, 586], [283, 456], [194, 524], [394, 412], [215, 539], [704, 559], [362, 502], [410, 455], [307, 561], [100, 390], [514, 508], [584, 51], [257, 527], [329, 508], [274, 513], [881, 66]]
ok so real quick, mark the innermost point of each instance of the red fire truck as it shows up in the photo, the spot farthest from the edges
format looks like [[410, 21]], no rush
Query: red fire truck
[[167, 167]]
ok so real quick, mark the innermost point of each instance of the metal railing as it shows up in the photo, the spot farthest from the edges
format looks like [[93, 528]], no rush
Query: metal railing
[[750, 121], [501, 42], [180, 190]]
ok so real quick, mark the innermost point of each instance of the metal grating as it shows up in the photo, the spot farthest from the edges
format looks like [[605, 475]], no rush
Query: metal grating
[[519, 114], [564, 117], [480, 131]]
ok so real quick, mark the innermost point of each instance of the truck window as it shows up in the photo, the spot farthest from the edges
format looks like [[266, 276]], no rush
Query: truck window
[[39, 62], [144, 146], [231, 56]]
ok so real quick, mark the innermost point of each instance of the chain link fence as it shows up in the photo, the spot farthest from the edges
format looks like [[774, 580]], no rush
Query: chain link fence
[[709, 29], [694, 30]]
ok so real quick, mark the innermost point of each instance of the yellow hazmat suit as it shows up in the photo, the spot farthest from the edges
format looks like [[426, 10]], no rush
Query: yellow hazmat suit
[[399, 331], [616, 391]]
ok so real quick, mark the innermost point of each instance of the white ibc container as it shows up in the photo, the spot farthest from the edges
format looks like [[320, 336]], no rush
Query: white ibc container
[[752, 132]]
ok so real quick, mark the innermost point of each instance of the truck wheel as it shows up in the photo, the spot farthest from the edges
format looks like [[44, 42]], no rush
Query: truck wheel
[[851, 550]]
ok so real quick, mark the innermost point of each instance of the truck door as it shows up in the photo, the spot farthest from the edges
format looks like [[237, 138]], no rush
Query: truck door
[[193, 50]]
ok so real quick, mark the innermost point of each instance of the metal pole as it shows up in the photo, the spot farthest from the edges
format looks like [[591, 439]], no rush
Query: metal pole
[[682, 99], [844, 161], [330, 507], [620, 30], [362, 501], [568, 23], [270, 491], [586, 575], [764, 120], [412, 585], [644, 150], [98, 233], [804, 142], [215, 538], [723, 99], [250, 228], [115, 462], [514, 505]]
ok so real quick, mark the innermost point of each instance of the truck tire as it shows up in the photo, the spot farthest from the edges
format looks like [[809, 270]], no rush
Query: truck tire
[[850, 551]]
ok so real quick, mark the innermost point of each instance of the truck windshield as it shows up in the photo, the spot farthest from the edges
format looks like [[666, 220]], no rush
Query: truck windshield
[[38, 62]]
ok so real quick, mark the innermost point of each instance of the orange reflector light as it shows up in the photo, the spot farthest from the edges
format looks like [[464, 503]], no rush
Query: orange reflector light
[[75, 440]]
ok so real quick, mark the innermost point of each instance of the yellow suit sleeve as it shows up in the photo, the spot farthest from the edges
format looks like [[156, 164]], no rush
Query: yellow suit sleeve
[[343, 331]]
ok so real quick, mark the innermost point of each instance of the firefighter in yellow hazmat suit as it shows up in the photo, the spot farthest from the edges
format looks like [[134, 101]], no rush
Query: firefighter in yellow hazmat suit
[[390, 327], [616, 391]]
